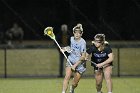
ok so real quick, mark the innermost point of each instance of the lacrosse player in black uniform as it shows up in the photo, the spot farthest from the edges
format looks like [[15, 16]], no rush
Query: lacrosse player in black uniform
[[102, 55]]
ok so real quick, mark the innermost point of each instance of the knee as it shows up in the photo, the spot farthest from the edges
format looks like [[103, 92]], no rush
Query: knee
[[67, 78], [108, 77], [98, 84]]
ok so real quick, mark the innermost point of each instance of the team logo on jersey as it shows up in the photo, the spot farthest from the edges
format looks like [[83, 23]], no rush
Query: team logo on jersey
[[100, 55], [75, 46]]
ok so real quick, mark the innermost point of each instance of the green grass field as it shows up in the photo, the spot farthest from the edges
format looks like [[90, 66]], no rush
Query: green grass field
[[45, 62], [86, 85]]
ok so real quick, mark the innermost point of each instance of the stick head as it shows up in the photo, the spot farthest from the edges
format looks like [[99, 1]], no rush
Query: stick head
[[49, 32]]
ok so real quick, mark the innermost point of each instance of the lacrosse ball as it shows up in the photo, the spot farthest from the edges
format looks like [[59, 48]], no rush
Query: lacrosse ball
[[49, 32]]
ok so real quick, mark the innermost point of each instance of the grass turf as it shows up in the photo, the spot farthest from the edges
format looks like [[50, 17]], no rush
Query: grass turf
[[54, 85]]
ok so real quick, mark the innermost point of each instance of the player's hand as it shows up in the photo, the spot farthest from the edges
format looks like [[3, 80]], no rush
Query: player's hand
[[73, 68], [62, 49], [86, 58], [100, 65], [68, 49]]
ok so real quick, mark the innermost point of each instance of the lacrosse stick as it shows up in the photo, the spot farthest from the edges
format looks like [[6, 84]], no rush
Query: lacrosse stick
[[92, 62], [49, 32], [96, 64]]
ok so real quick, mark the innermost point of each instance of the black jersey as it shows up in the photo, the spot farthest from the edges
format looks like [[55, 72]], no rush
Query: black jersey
[[99, 56]]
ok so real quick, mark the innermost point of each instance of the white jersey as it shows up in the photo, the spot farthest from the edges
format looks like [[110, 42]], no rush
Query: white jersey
[[77, 47]]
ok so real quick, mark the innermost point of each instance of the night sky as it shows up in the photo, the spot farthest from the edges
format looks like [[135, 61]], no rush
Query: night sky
[[117, 19]]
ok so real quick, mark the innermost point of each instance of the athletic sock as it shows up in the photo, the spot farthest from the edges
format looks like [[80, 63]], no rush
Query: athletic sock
[[99, 92], [63, 92], [109, 92], [71, 89]]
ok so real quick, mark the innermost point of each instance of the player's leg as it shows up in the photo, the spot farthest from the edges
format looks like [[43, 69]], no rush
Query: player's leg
[[66, 79], [77, 76], [75, 81], [107, 75], [99, 80]]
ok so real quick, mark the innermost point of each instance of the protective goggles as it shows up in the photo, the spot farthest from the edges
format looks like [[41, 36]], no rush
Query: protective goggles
[[98, 41]]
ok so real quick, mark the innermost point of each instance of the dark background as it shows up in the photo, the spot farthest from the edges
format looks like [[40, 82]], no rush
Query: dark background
[[117, 19]]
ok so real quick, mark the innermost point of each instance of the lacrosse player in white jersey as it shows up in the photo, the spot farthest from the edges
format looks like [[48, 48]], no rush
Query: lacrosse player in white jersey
[[76, 57]]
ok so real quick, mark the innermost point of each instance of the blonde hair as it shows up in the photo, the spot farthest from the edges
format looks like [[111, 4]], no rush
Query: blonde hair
[[101, 38], [78, 26]]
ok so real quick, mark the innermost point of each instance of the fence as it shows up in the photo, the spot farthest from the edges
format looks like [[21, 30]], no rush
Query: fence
[[35, 61]]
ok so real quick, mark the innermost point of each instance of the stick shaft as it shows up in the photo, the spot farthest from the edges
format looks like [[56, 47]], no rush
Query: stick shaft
[[62, 52], [96, 64], [92, 62]]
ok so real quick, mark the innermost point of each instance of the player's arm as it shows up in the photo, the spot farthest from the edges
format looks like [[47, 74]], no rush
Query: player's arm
[[110, 57], [82, 58], [106, 62], [88, 56], [109, 60]]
